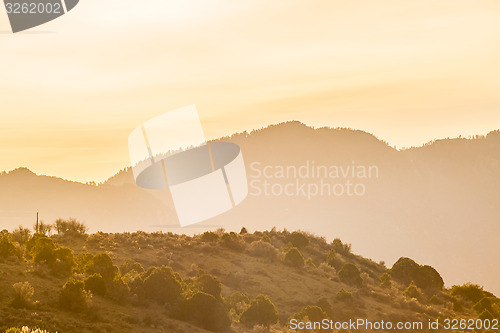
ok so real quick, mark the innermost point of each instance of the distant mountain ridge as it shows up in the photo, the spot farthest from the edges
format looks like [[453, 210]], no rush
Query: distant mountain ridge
[[431, 203]]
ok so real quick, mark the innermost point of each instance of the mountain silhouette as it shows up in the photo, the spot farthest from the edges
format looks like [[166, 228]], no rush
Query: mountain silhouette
[[438, 203]]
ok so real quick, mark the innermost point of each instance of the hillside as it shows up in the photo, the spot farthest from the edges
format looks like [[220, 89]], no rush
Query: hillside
[[246, 264], [427, 203]]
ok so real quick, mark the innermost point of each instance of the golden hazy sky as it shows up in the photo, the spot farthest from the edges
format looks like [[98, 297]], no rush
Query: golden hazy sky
[[407, 71]]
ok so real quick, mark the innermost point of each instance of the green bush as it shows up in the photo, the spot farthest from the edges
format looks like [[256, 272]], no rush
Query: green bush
[[209, 284], [209, 236], [237, 301], [204, 311], [73, 296], [64, 260], [263, 249], [261, 311], [131, 265], [385, 280], [70, 228], [406, 270], [344, 295], [350, 275], [294, 258], [103, 265], [412, 291], [298, 239], [21, 235], [95, 284], [161, 284], [312, 313], [23, 294], [7, 248]]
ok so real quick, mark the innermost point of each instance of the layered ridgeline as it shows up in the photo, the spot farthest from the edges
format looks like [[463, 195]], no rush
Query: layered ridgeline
[[437, 203], [217, 282]]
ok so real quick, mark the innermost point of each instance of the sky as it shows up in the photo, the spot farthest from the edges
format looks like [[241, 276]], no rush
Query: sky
[[72, 90]]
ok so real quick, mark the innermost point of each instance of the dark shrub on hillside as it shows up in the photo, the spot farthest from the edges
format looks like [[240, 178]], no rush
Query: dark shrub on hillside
[[7, 248], [263, 249], [406, 270], [204, 311], [161, 284], [385, 280], [21, 235], [294, 258], [298, 239], [350, 274], [331, 258], [103, 265], [43, 249], [312, 313], [70, 228], [131, 265], [82, 260], [64, 260], [237, 301], [233, 242], [243, 231], [344, 295], [23, 294], [471, 292], [412, 291], [340, 247], [119, 290], [95, 284], [261, 311], [208, 284], [209, 236], [73, 296]]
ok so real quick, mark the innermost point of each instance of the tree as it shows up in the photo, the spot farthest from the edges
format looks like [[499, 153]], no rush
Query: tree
[[131, 265], [412, 291], [65, 260], [204, 311], [42, 249], [162, 285], [294, 258], [7, 248], [102, 264], [73, 296], [21, 235], [70, 227], [350, 274], [209, 284], [298, 239], [261, 311], [95, 284]]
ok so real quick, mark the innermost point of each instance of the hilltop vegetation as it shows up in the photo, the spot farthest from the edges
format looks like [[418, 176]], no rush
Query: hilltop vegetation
[[216, 281]]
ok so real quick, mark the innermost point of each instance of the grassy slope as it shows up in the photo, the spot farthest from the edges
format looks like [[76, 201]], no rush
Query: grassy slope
[[289, 288]]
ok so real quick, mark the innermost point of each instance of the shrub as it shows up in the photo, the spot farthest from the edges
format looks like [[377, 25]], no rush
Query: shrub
[[131, 265], [340, 247], [263, 250], [64, 260], [209, 236], [21, 235], [7, 248], [406, 270], [119, 290], [265, 238], [312, 313], [350, 274], [243, 231], [23, 294], [204, 311], [95, 284], [42, 249], [261, 311], [70, 227], [73, 296], [237, 301], [233, 242], [385, 280], [294, 258], [102, 264], [344, 295], [82, 260], [412, 291], [298, 239], [209, 284], [471, 292], [331, 258], [161, 285]]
